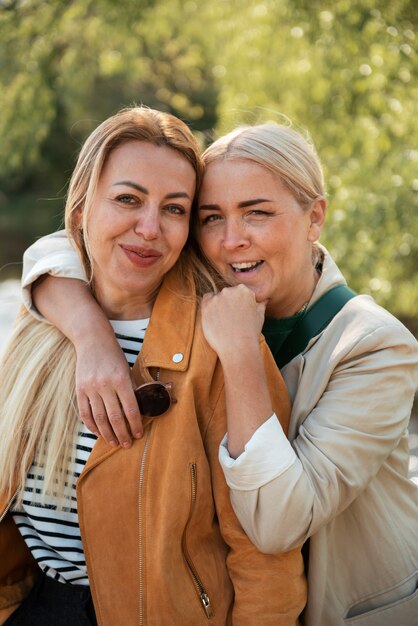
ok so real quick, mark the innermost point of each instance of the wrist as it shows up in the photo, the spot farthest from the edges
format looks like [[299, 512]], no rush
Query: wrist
[[247, 356]]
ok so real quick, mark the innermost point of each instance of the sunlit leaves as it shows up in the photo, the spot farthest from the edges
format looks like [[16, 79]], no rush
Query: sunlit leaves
[[349, 73], [346, 70]]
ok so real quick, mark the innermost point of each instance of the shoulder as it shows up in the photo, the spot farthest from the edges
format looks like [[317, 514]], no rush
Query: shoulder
[[363, 320], [363, 347]]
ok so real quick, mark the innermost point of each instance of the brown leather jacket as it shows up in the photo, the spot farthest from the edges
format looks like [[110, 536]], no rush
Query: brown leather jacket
[[162, 544]]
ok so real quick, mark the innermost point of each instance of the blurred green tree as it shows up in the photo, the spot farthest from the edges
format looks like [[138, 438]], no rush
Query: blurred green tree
[[347, 71], [65, 66]]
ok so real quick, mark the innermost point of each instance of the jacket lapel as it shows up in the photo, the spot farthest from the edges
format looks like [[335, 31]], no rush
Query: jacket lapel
[[169, 336]]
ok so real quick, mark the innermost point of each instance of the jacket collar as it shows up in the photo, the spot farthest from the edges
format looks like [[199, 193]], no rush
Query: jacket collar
[[330, 275], [169, 336], [167, 342]]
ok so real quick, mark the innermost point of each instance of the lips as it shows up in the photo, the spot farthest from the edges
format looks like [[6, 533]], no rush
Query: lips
[[245, 266], [141, 256]]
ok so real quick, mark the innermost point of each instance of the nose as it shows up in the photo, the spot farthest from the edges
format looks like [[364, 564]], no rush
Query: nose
[[235, 236], [148, 223]]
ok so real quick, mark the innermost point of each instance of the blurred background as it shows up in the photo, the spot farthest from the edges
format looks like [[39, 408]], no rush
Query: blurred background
[[346, 71]]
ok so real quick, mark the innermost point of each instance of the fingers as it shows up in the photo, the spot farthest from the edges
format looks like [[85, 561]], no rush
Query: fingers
[[105, 397], [86, 414], [232, 320], [129, 407], [111, 414], [102, 421]]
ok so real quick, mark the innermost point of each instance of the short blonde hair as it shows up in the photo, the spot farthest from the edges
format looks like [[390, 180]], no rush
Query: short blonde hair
[[278, 148]]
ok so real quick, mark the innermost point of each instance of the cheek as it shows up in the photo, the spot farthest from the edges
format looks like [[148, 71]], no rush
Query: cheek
[[104, 225], [178, 237], [207, 243]]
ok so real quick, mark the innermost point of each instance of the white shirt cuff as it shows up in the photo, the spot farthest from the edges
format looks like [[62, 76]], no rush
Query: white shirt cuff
[[267, 455]]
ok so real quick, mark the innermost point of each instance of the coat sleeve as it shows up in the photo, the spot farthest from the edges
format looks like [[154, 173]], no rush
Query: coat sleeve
[[53, 255], [270, 590], [360, 418]]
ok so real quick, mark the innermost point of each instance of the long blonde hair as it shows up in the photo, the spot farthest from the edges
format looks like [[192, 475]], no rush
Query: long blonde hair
[[38, 413]]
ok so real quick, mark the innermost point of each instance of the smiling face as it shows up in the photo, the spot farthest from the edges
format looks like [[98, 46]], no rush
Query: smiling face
[[138, 224], [252, 229]]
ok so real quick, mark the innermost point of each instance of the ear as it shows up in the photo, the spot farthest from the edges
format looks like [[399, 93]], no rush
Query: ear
[[316, 212]]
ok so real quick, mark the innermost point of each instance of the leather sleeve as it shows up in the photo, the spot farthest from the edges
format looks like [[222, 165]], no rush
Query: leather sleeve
[[269, 589]]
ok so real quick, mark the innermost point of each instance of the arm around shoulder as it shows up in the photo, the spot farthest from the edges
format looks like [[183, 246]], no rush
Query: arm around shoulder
[[103, 382], [53, 255]]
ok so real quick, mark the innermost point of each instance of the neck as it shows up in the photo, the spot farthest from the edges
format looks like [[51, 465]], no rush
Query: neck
[[126, 306], [299, 301]]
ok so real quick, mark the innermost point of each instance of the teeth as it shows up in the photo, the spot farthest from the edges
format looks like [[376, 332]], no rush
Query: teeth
[[244, 266]]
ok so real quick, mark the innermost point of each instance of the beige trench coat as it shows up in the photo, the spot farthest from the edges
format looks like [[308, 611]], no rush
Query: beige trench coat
[[352, 391]]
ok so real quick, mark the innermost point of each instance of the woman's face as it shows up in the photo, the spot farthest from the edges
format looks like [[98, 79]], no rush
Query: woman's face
[[138, 225], [254, 232]]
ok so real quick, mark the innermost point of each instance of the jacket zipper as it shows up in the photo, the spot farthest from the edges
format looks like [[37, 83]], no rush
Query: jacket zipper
[[140, 514], [140, 521], [204, 598]]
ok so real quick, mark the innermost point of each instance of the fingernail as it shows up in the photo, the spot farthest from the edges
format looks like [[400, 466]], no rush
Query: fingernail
[[113, 443], [126, 444], [138, 435]]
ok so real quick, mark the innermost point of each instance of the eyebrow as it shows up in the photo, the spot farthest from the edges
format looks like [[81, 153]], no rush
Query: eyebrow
[[129, 183], [241, 205]]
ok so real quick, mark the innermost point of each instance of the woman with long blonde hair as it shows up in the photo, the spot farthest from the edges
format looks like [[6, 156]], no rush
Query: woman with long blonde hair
[[145, 534]]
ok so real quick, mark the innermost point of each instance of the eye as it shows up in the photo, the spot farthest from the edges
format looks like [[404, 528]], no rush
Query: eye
[[259, 213], [175, 209], [126, 198], [208, 219]]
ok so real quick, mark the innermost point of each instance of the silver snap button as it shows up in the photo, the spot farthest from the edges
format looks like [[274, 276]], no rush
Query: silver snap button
[[177, 357]]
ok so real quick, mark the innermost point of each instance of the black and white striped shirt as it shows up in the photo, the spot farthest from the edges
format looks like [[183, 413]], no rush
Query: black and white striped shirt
[[53, 536]]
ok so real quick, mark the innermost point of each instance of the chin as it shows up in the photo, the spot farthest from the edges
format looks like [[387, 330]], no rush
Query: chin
[[260, 296]]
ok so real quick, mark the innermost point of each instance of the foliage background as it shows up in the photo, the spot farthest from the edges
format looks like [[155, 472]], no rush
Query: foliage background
[[347, 71]]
